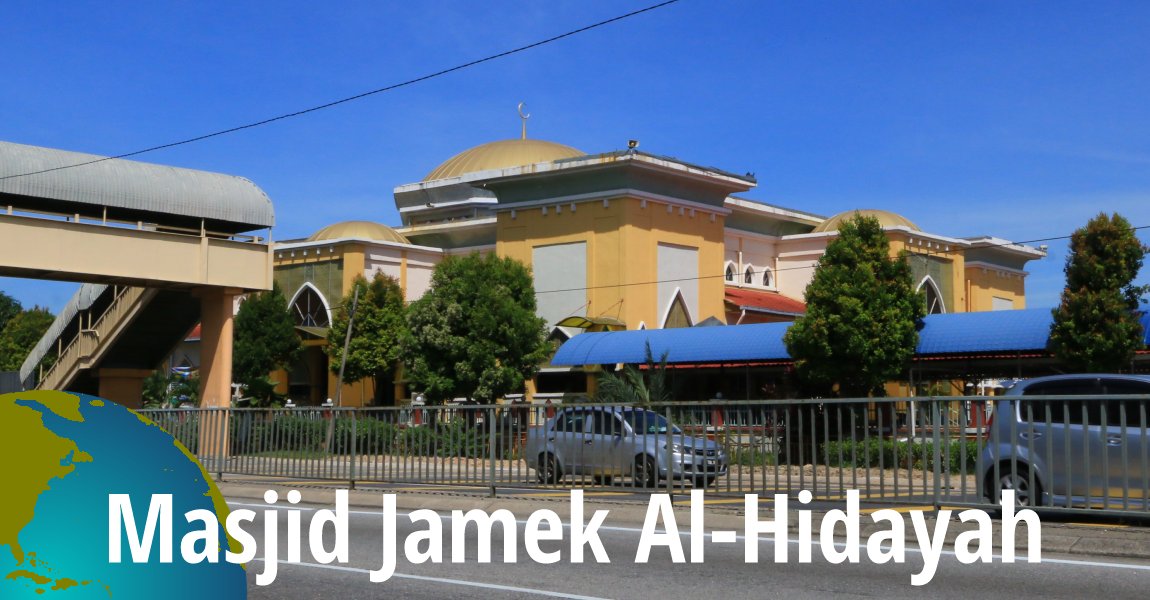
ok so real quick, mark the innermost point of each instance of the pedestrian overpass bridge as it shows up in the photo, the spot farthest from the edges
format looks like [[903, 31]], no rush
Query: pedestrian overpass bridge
[[158, 249]]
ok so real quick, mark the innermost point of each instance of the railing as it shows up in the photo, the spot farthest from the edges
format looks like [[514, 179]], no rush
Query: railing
[[939, 451], [91, 338], [138, 225]]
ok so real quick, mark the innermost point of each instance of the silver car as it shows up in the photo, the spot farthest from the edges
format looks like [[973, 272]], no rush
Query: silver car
[[1075, 443], [608, 442]]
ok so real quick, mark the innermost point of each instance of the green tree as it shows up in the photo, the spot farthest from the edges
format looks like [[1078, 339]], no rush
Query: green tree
[[20, 335], [264, 341], [475, 333], [634, 386], [9, 307], [378, 330], [169, 390], [1096, 324], [861, 325]]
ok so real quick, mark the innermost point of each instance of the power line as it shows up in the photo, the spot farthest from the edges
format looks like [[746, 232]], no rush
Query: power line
[[357, 96]]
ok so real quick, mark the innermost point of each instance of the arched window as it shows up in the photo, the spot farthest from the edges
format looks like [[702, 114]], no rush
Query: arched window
[[933, 297], [749, 276], [677, 313], [730, 273], [766, 277], [309, 309]]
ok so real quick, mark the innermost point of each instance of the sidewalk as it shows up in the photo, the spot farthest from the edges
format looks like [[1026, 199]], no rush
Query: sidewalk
[[1106, 538]]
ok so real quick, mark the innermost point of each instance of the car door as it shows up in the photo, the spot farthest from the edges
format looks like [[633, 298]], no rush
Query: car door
[[1063, 437], [567, 438], [1125, 439], [605, 452]]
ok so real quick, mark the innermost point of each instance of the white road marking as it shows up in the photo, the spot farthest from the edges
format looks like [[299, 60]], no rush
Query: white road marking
[[488, 586], [724, 538]]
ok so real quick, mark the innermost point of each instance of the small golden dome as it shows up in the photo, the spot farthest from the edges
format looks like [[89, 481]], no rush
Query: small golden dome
[[364, 230], [501, 155], [885, 218]]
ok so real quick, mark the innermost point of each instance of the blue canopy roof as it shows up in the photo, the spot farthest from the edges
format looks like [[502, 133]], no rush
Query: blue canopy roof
[[956, 333]]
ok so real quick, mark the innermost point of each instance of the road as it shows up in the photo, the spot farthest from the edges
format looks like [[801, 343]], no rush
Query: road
[[723, 573]]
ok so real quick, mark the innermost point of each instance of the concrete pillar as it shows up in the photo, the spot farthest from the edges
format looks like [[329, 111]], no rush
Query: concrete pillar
[[216, 306], [123, 386], [216, 320]]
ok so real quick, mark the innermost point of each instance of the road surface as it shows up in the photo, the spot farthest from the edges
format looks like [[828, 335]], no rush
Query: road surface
[[723, 574]]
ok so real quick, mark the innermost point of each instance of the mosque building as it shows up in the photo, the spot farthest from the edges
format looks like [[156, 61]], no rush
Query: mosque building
[[617, 240]]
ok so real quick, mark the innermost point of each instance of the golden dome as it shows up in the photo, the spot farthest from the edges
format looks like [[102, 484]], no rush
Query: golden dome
[[885, 218], [364, 230], [501, 155]]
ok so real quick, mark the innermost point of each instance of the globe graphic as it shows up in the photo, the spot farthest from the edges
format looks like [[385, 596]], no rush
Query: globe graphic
[[63, 455]]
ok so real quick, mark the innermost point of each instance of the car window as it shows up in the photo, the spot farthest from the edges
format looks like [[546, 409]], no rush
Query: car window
[[1071, 387], [1069, 412], [605, 423], [571, 422], [645, 422], [1131, 412]]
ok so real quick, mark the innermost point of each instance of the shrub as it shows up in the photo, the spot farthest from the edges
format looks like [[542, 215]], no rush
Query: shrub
[[901, 454]]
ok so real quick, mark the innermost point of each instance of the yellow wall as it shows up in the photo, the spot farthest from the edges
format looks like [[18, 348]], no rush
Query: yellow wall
[[622, 243], [985, 283], [353, 256], [958, 302]]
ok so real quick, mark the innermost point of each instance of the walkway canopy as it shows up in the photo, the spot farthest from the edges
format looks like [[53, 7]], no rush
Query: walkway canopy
[[941, 335], [32, 178]]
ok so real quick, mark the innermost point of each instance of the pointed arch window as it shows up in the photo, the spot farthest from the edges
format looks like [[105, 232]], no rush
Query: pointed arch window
[[766, 277], [932, 296], [730, 275], [749, 276], [677, 314], [308, 308]]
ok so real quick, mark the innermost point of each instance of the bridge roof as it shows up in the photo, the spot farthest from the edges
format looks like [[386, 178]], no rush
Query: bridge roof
[[129, 190]]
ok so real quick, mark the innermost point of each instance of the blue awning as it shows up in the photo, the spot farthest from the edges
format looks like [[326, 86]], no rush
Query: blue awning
[[992, 331], [956, 333], [731, 343]]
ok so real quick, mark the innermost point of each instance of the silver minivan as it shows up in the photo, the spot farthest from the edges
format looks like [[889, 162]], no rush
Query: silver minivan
[[606, 442], [1070, 440]]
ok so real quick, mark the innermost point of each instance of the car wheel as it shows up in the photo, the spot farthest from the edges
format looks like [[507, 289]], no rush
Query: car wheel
[[645, 474], [702, 481], [1017, 479], [549, 470]]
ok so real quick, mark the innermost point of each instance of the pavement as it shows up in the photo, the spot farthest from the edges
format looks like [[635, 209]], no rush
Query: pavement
[[1074, 535]]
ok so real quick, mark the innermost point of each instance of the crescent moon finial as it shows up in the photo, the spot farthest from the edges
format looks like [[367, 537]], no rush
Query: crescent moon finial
[[524, 116]]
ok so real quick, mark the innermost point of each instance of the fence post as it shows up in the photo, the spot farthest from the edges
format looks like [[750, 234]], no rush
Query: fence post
[[491, 448], [220, 458], [936, 417], [353, 447], [670, 467]]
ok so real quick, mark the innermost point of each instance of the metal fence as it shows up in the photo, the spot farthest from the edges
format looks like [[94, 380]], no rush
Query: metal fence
[[1064, 453]]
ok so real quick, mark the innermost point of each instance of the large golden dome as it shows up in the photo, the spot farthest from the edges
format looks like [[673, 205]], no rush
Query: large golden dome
[[885, 218], [501, 155], [364, 230]]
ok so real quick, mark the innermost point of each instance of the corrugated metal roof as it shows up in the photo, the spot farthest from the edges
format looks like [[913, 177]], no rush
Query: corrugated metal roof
[[132, 187], [992, 331], [957, 333], [761, 341]]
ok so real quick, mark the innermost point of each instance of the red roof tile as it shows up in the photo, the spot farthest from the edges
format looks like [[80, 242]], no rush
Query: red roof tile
[[763, 300]]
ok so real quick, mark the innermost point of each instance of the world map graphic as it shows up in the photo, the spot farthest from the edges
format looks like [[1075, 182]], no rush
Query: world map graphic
[[62, 455]]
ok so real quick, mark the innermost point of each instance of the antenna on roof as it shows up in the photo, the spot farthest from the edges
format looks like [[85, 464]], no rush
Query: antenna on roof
[[524, 116]]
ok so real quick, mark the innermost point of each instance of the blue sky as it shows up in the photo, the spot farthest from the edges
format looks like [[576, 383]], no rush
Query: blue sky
[[1014, 119]]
